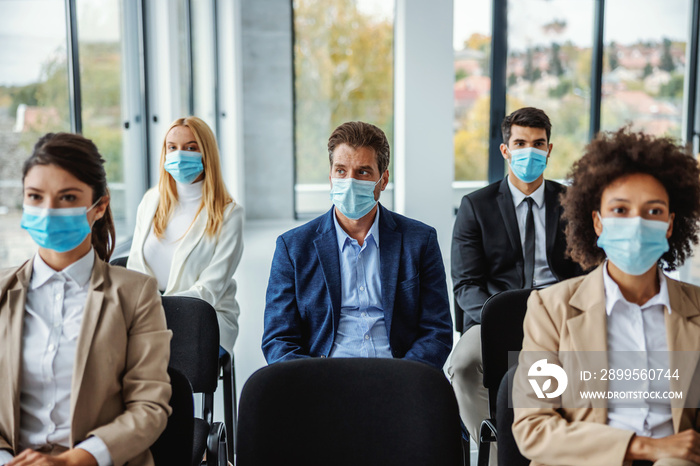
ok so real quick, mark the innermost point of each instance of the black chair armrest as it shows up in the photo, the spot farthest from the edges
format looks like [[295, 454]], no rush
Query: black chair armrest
[[488, 431], [487, 435], [217, 450]]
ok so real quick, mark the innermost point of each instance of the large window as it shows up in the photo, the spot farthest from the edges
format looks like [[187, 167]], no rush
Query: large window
[[591, 68], [472, 90], [100, 52], [549, 67], [33, 101], [343, 66], [644, 65]]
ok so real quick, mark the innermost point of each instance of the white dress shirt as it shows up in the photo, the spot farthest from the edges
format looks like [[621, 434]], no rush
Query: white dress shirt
[[637, 337], [542, 276], [51, 325], [159, 252]]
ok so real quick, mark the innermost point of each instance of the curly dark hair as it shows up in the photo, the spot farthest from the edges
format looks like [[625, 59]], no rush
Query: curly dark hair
[[613, 155]]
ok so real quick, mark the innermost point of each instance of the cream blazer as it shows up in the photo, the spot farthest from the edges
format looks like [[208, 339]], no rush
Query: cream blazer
[[120, 389], [202, 266], [570, 316]]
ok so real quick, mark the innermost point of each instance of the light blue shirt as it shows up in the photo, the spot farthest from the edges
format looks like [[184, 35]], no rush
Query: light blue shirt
[[361, 330]]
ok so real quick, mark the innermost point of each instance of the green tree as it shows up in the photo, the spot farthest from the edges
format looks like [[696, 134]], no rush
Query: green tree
[[555, 66], [343, 62], [563, 88], [648, 69], [100, 97], [613, 62], [674, 88], [471, 142], [512, 79], [529, 72], [666, 63]]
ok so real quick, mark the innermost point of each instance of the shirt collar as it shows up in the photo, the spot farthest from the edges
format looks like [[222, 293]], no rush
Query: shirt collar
[[343, 237], [613, 295], [79, 271], [519, 196]]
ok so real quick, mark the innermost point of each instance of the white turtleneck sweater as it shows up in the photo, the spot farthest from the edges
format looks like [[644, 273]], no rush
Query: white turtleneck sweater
[[158, 253]]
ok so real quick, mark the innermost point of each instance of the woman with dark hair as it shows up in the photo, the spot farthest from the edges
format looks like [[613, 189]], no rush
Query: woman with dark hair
[[633, 208], [84, 347]]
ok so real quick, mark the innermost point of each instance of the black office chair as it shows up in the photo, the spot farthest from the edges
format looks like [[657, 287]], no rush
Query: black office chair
[[227, 368], [175, 442], [194, 351], [508, 452], [227, 373], [119, 261], [347, 412], [501, 331]]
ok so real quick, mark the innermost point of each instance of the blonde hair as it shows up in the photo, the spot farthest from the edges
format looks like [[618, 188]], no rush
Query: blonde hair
[[215, 197]]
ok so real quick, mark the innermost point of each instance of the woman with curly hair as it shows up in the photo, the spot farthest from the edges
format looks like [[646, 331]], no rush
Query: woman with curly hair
[[633, 208]]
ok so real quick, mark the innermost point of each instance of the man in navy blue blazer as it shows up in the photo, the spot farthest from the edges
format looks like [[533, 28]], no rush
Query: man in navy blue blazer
[[360, 280]]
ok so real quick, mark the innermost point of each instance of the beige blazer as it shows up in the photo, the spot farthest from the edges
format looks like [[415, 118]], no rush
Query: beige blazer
[[120, 386], [206, 265], [570, 316]]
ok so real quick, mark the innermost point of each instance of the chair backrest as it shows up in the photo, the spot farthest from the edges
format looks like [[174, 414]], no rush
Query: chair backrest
[[194, 348], [120, 261], [348, 412], [508, 452], [501, 331], [175, 442]]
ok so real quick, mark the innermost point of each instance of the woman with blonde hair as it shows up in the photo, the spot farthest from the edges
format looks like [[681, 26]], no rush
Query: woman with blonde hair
[[189, 230]]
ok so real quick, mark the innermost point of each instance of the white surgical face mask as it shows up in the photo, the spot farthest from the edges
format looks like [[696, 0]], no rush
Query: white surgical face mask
[[354, 198]]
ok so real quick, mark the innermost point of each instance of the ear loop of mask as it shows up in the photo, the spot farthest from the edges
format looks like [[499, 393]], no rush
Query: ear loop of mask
[[91, 207]]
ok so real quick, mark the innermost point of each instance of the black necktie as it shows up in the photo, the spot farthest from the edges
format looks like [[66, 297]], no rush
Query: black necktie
[[529, 251]]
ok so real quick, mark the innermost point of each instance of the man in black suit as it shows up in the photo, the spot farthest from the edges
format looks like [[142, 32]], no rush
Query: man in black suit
[[507, 235]]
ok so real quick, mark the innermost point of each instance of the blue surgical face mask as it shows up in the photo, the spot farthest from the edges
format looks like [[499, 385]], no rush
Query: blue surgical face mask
[[61, 230], [633, 244], [184, 166], [528, 163], [354, 198]]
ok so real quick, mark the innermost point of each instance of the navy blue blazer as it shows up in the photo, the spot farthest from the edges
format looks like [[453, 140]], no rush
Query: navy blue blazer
[[302, 307]]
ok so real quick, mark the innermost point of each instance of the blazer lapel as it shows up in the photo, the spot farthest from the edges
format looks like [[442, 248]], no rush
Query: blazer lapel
[[91, 317], [552, 212], [505, 205], [11, 319], [327, 250], [184, 249], [390, 243], [588, 331], [682, 330]]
